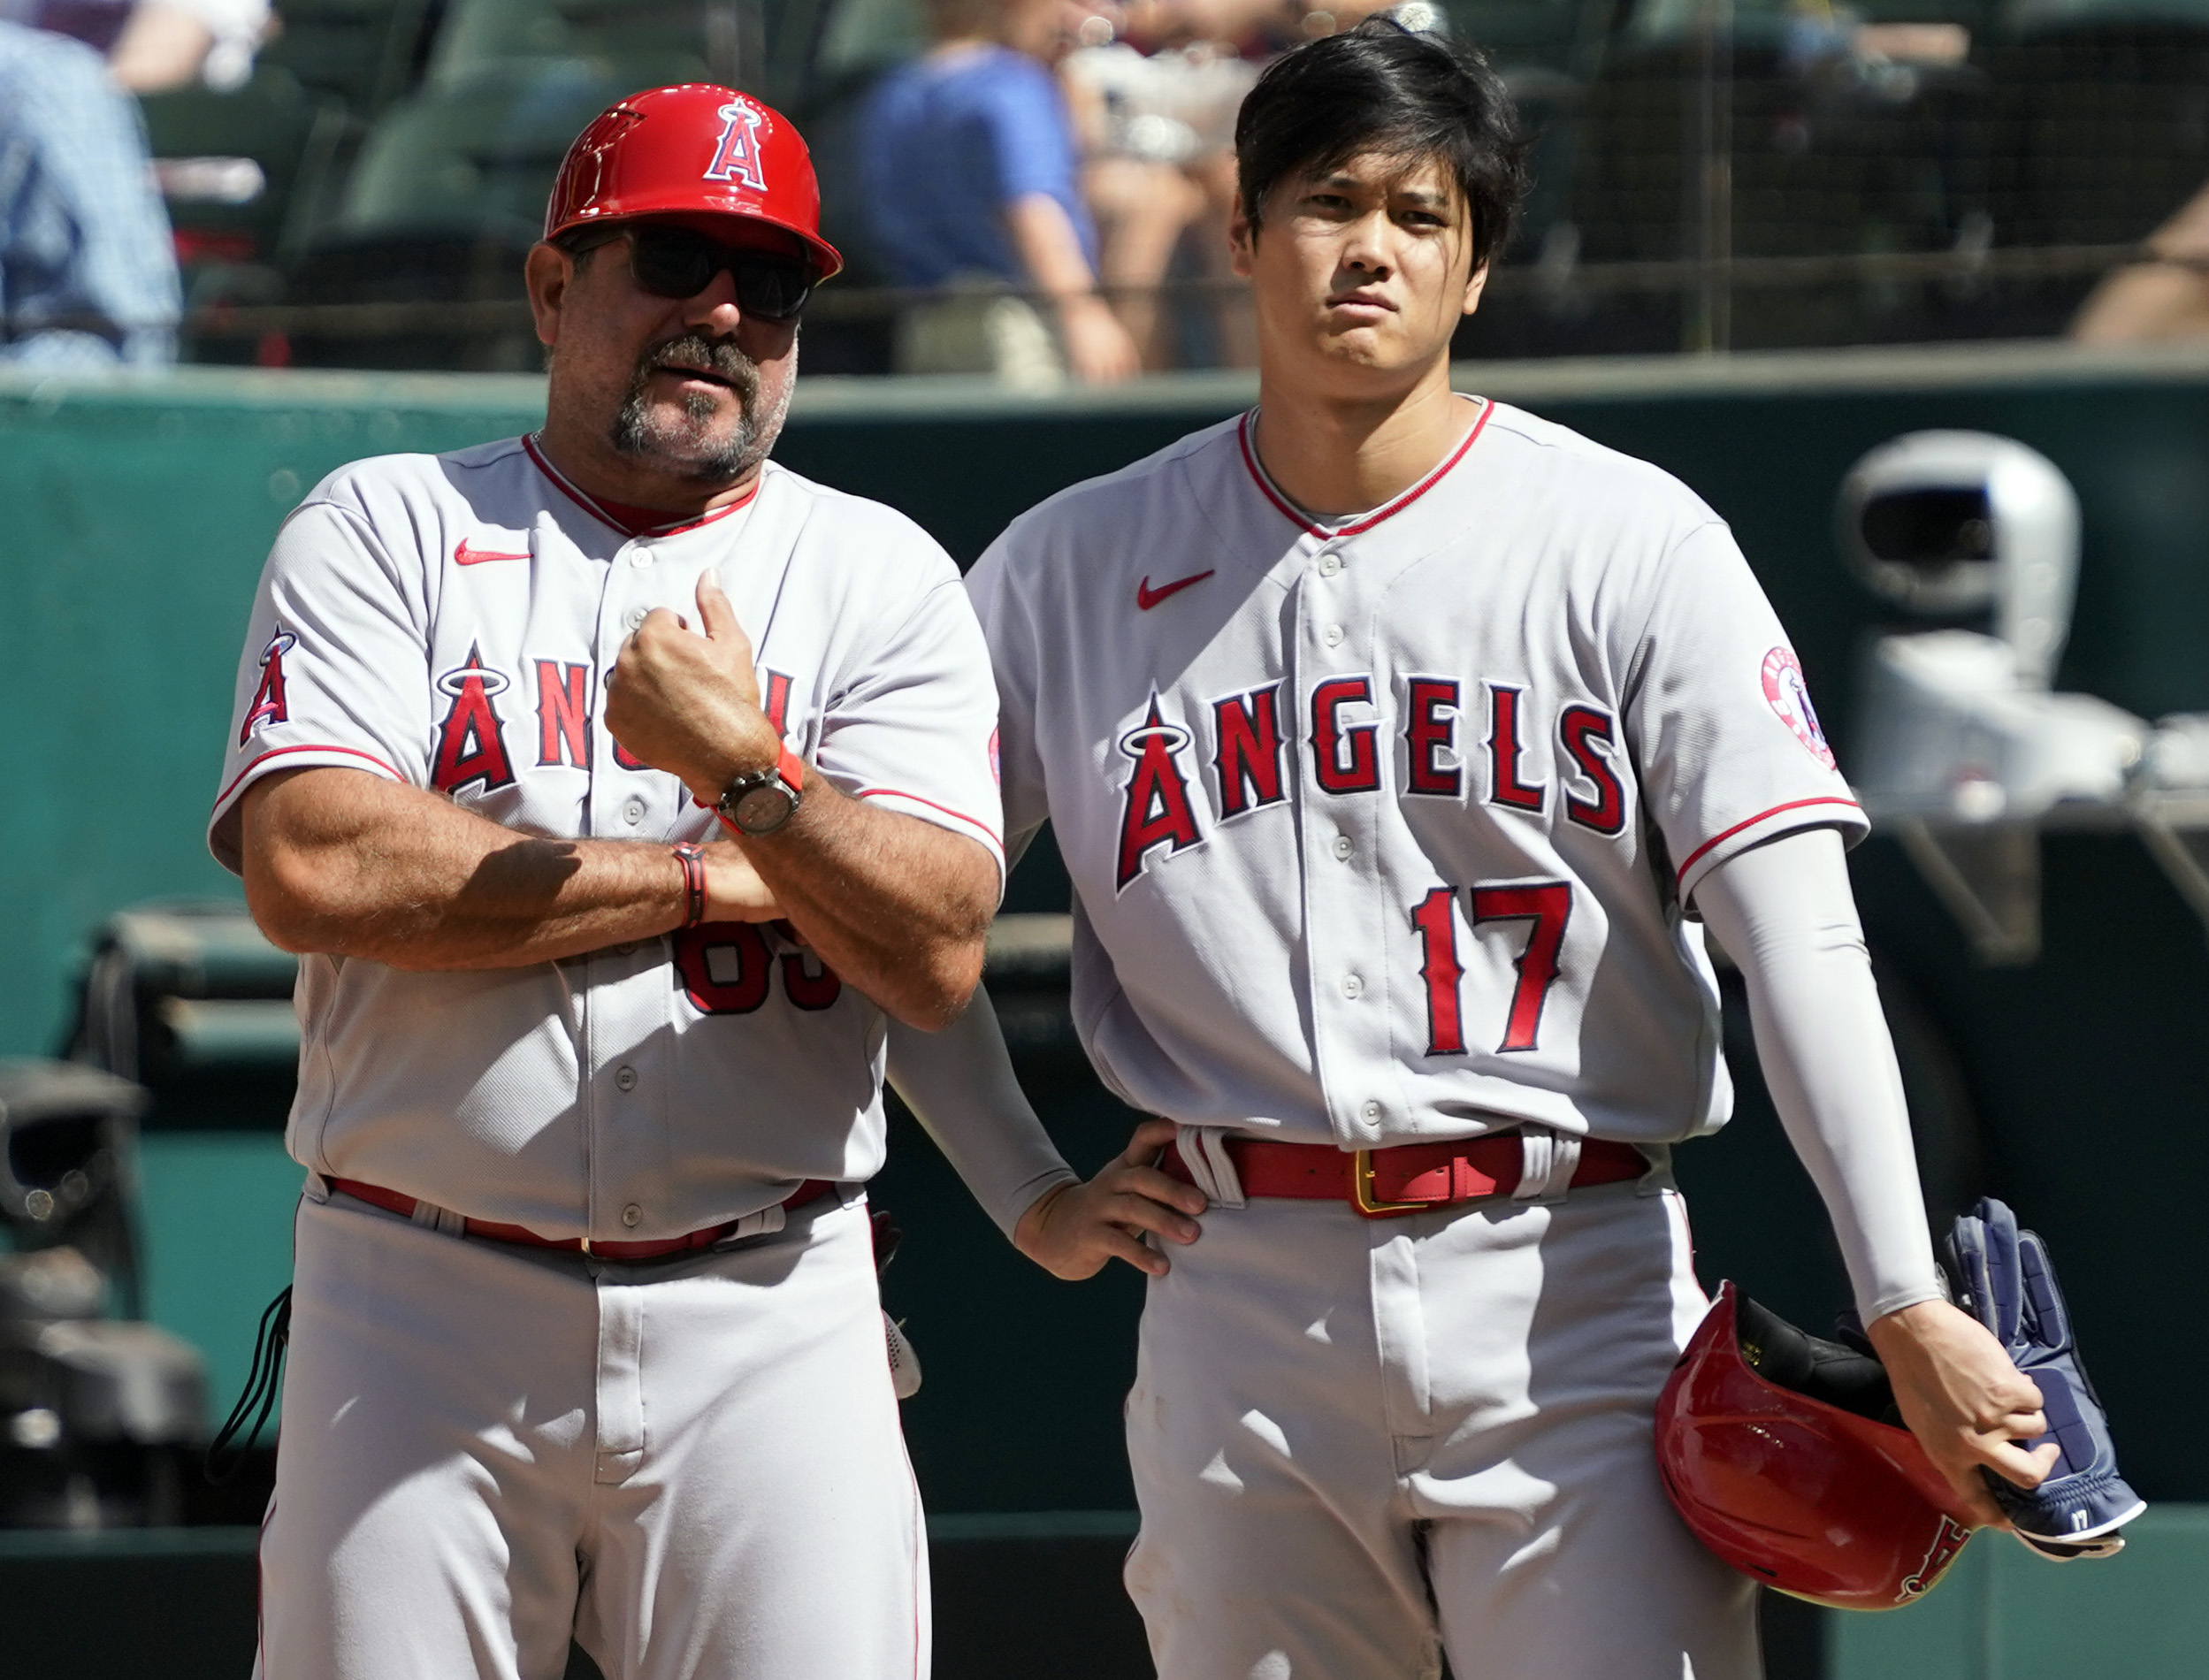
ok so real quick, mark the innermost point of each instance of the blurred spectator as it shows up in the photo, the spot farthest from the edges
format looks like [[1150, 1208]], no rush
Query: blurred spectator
[[970, 184], [1155, 86], [1159, 133], [2168, 299], [154, 45], [170, 42], [87, 269]]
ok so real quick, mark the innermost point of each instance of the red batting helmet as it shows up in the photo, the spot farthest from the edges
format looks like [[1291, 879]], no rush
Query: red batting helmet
[[697, 150], [1819, 1501]]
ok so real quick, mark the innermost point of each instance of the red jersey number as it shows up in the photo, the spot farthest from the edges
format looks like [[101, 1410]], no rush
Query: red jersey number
[[1546, 904], [727, 970]]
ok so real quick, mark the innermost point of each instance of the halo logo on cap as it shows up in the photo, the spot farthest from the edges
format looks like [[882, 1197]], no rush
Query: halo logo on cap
[[737, 157]]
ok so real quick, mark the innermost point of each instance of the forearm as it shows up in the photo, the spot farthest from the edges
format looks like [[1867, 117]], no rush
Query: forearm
[[345, 863], [1784, 912], [959, 1085], [1044, 238], [161, 47], [898, 907]]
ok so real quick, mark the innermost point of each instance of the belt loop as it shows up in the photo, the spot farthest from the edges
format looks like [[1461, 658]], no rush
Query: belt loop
[[1205, 1152], [765, 1222], [1659, 1177], [1548, 1160]]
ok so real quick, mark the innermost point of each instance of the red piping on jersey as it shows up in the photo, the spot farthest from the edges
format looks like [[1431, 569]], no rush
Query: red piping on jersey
[[1750, 823], [617, 516], [1295, 515], [899, 793], [278, 752], [916, 1538]]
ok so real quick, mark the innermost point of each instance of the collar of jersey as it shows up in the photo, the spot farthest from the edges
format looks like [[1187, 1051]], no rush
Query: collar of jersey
[[629, 520], [1357, 522]]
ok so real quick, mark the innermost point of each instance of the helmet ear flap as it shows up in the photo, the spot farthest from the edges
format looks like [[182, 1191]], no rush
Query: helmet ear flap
[[1850, 1377], [1773, 1448]]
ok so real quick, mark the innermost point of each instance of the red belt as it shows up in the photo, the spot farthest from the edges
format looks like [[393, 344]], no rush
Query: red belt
[[392, 1202], [1405, 1178]]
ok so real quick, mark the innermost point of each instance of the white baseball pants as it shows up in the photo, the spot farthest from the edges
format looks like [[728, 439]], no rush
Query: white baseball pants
[[1359, 1443], [695, 1469]]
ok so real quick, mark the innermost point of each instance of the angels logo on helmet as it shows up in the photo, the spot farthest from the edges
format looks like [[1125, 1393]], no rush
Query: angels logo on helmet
[[737, 157], [1948, 1542]]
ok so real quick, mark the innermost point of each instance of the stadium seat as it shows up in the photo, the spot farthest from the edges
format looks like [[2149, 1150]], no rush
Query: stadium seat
[[640, 42], [2097, 131], [1552, 34], [448, 194], [1833, 151], [2101, 125], [366, 53], [232, 165], [450, 186], [243, 175]]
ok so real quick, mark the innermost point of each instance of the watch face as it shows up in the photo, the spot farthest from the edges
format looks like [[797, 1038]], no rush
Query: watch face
[[764, 810]]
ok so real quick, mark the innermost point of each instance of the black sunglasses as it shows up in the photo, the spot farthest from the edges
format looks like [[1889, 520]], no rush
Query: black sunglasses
[[681, 263]]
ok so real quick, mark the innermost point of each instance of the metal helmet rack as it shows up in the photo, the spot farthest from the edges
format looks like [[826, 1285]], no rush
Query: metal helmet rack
[[1961, 749]]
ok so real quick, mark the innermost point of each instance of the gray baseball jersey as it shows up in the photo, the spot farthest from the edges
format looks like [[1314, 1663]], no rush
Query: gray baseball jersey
[[1382, 829], [445, 623]]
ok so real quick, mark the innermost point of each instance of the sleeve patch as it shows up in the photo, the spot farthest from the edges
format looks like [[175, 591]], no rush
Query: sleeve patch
[[1789, 696], [270, 704]]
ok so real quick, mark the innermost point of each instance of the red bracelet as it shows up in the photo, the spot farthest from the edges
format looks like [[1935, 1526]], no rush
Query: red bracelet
[[693, 858]]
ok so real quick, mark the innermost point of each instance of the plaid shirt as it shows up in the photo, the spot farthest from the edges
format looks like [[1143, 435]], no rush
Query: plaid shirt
[[87, 269]]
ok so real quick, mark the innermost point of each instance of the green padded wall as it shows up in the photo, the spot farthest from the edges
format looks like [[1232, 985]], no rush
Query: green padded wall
[[133, 515]]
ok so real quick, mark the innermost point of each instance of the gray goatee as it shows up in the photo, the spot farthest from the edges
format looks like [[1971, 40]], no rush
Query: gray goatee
[[682, 447]]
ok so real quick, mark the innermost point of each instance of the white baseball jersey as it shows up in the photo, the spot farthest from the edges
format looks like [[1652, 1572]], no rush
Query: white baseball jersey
[[447, 622], [1381, 828]]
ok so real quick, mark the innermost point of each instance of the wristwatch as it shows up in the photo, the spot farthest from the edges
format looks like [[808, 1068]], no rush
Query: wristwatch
[[761, 801]]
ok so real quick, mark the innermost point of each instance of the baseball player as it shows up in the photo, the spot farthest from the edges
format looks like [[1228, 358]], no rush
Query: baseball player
[[1397, 743], [617, 786]]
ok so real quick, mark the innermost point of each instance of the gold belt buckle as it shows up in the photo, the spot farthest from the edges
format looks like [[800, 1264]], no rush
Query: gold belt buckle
[[1362, 1191]]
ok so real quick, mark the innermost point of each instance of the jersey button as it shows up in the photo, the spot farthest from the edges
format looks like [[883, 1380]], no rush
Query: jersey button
[[1333, 635], [1330, 564], [634, 617], [1352, 985], [1371, 1111], [625, 1078], [640, 558], [632, 1216], [632, 811], [1343, 848]]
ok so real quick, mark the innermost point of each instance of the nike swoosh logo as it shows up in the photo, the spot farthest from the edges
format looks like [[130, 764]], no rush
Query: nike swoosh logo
[[464, 555], [1146, 596]]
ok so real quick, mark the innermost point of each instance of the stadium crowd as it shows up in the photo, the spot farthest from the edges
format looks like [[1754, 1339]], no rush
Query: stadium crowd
[[1039, 190]]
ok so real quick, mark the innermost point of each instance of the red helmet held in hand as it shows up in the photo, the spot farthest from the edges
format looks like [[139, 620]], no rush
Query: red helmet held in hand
[[1819, 1499], [693, 149]]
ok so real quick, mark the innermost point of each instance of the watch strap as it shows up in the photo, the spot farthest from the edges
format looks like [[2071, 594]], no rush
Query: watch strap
[[789, 770]]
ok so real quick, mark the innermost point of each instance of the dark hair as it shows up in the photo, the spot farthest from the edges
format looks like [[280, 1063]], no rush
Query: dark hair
[[1381, 88]]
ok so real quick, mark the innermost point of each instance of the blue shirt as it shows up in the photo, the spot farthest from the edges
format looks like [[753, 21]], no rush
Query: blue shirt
[[948, 144], [87, 268]]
